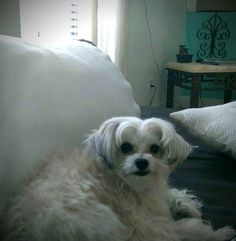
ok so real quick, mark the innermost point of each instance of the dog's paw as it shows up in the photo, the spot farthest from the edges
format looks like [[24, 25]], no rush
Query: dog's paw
[[183, 204], [225, 234]]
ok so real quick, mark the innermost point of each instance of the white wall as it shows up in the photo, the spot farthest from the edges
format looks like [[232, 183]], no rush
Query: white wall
[[167, 20], [45, 22]]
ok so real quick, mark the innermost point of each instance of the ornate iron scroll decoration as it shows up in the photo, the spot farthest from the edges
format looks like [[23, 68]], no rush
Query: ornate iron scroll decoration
[[213, 33]]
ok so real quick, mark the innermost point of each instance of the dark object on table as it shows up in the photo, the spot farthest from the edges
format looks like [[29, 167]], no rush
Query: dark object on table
[[183, 56], [199, 60]]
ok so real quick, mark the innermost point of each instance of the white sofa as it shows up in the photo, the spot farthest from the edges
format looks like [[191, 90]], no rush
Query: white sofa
[[49, 99]]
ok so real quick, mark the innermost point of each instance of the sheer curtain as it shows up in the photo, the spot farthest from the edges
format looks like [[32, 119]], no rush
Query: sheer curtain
[[110, 28]]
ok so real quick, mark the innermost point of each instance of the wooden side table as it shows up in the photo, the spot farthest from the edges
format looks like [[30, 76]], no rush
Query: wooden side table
[[192, 75]]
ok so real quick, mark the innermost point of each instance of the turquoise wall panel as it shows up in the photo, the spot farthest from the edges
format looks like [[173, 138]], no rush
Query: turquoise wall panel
[[194, 23]]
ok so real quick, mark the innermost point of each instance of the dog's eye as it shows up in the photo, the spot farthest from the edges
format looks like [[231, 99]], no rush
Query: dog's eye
[[126, 147], [154, 148]]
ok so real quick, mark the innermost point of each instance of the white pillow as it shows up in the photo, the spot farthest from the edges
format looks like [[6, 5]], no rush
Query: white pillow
[[215, 125]]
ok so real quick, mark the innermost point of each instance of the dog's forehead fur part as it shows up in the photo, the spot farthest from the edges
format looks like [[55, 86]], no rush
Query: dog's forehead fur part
[[129, 127], [136, 130], [162, 127]]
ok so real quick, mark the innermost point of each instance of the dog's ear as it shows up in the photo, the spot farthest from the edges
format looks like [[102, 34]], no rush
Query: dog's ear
[[101, 144], [175, 148]]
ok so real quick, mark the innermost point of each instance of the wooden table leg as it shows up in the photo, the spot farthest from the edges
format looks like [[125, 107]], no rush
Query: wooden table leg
[[195, 91], [228, 91], [227, 96], [170, 88]]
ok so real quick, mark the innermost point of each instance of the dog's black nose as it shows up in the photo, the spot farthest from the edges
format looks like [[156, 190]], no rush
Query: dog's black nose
[[141, 164]]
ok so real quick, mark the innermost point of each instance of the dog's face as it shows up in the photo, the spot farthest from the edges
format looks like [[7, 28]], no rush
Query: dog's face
[[140, 151]]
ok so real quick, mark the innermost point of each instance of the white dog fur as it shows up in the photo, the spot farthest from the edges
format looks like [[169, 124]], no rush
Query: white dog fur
[[114, 190]]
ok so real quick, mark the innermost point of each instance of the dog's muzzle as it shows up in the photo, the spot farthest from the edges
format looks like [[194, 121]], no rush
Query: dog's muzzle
[[142, 166]]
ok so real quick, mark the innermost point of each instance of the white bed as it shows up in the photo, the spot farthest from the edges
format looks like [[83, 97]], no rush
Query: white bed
[[49, 99]]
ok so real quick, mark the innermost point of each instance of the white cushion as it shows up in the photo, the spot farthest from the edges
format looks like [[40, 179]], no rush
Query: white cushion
[[50, 98], [215, 125]]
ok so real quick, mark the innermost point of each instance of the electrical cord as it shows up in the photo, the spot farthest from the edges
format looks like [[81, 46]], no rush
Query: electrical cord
[[153, 53], [154, 94]]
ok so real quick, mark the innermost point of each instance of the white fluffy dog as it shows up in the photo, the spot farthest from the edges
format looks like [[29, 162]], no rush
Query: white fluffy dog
[[114, 190]]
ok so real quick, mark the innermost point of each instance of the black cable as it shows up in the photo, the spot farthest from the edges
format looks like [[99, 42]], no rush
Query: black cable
[[154, 94], [152, 50]]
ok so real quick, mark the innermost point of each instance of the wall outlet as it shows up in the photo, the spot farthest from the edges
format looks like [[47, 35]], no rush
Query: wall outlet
[[151, 83]]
